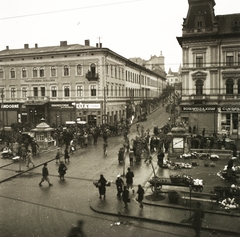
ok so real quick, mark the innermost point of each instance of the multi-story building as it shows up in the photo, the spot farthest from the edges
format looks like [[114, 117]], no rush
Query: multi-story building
[[72, 83], [211, 69], [173, 77]]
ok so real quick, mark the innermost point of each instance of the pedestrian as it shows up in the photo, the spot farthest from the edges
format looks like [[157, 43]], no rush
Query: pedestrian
[[85, 139], [102, 186], [129, 179], [137, 125], [45, 175], [140, 193], [29, 158], [23, 152], [66, 155], [119, 184], [125, 196], [72, 147], [105, 145], [77, 231], [62, 170], [131, 157], [35, 147], [57, 157], [160, 158], [197, 219]]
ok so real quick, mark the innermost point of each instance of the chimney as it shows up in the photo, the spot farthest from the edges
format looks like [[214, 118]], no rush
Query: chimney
[[63, 43], [100, 45], [7, 47], [36, 46], [87, 42], [97, 45], [26, 46]]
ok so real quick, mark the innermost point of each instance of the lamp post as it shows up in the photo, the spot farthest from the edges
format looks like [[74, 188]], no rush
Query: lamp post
[[2, 96]]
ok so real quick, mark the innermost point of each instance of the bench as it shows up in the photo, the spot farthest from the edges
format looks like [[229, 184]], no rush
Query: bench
[[200, 197]]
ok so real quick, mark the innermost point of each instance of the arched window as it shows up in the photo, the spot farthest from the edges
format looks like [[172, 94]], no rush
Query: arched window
[[229, 86], [93, 69], [12, 73], [24, 72], [199, 87], [79, 70]]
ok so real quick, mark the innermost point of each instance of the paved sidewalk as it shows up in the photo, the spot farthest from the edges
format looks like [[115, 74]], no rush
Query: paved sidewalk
[[163, 213]]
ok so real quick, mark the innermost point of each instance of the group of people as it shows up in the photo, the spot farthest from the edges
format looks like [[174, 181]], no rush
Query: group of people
[[122, 188]]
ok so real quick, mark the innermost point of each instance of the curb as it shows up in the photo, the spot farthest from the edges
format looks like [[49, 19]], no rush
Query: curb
[[164, 222]]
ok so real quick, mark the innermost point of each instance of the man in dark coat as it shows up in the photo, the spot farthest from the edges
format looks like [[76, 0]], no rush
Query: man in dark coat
[[119, 184], [129, 179], [197, 218], [140, 193]]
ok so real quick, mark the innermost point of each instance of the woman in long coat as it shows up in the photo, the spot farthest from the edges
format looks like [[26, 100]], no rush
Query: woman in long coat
[[102, 186], [140, 193]]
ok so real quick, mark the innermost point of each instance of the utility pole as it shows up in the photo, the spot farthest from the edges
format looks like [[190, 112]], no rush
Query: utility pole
[[104, 105]]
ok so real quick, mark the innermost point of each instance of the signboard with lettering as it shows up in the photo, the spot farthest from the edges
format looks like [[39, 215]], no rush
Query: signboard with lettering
[[230, 109], [62, 105], [10, 106], [88, 106], [199, 108]]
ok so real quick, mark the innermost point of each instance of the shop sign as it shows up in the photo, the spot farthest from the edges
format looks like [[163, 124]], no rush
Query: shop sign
[[199, 108], [10, 106], [61, 105], [88, 106], [230, 109]]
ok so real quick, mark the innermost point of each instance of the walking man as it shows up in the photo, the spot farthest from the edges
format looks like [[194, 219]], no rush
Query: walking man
[[29, 158], [140, 193], [129, 179], [45, 175], [119, 184], [197, 219]]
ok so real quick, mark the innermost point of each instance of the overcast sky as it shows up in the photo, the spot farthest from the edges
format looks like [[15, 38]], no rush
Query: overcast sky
[[131, 28]]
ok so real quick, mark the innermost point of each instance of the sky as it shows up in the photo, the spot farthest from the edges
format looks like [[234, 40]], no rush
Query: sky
[[131, 28]]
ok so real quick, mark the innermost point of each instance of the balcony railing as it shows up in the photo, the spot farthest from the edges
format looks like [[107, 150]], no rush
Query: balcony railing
[[199, 97], [92, 76]]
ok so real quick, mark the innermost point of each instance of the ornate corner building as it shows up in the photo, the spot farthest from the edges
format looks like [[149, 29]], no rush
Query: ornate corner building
[[73, 83], [211, 69]]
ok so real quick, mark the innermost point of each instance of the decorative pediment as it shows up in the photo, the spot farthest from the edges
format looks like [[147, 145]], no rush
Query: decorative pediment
[[199, 75]]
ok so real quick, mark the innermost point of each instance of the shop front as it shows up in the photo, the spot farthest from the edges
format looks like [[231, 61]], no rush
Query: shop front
[[10, 113], [197, 117], [59, 113], [229, 120], [91, 113]]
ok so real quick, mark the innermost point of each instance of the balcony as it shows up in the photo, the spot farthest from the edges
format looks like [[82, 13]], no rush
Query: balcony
[[199, 97], [92, 76], [37, 100]]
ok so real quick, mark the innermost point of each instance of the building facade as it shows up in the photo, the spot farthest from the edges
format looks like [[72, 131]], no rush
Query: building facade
[[211, 69], [72, 83]]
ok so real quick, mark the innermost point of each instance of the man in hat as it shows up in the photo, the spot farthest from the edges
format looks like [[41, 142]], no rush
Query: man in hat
[[45, 175], [119, 184]]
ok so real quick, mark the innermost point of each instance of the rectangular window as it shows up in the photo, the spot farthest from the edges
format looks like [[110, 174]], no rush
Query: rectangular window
[[41, 72], [79, 70], [35, 91], [66, 91], [238, 59], [24, 92], [199, 60], [54, 91], [24, 73], [93, 90], [66, 71], [79, 91], [229, 59], [42, 91], [1, 74], [13, 93], [34, 72], [53, 71], [12, 73]]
